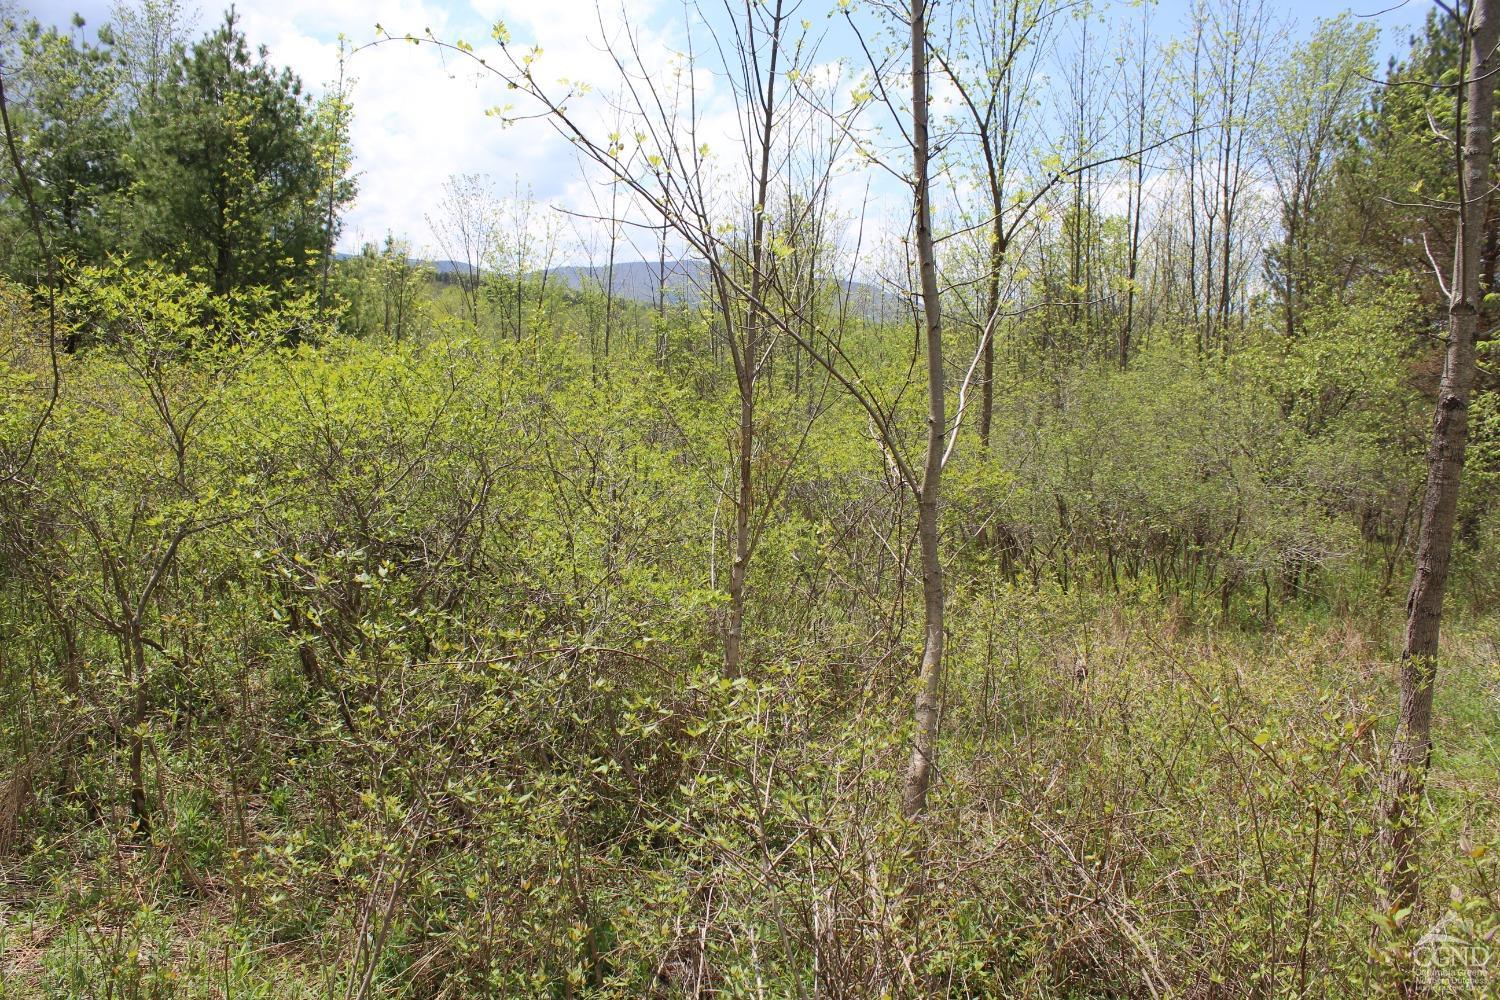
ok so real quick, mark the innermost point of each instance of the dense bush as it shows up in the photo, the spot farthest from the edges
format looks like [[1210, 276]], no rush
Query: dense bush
[[393, 668]]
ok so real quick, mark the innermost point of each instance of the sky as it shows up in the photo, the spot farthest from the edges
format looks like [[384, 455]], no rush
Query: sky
[[419, 117]]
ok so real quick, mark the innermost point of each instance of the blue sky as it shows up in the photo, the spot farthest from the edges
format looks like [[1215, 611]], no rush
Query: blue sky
[[419, 118]]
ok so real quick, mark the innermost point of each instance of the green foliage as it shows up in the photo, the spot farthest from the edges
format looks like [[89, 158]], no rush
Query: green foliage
[[72, 133], [382, 291], [204, 157], [361, 629], [433, 698], [1209, 478], [226, 171]]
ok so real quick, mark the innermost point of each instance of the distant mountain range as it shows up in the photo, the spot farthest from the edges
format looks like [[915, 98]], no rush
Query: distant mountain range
[[685, 281]]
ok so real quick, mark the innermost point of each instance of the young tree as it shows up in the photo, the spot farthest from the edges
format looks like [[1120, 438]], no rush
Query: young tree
[[467, 230], [228, 177], [1472, 142], [524, 252], [70, 131], [1141, 96], [930, 490], [381, 290], [1221, 80], [330, 121], [1316, 94], [146, 36], [992, 60], [135, 529], [719, 208]]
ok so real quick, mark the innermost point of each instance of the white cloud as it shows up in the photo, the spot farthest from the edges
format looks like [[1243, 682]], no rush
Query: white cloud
[[419, 112]]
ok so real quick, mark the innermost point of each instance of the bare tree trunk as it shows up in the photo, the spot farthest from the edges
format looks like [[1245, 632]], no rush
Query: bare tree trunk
[[747, 356], [1289, 282], [1137, 204], [139, 705], [992, 323], [330, 217], [929, 682], [661, 286], [609, 269], [1194, 146], [1412, 749]]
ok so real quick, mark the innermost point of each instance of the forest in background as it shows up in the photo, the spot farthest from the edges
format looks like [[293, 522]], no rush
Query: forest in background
[[1037, 597]]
